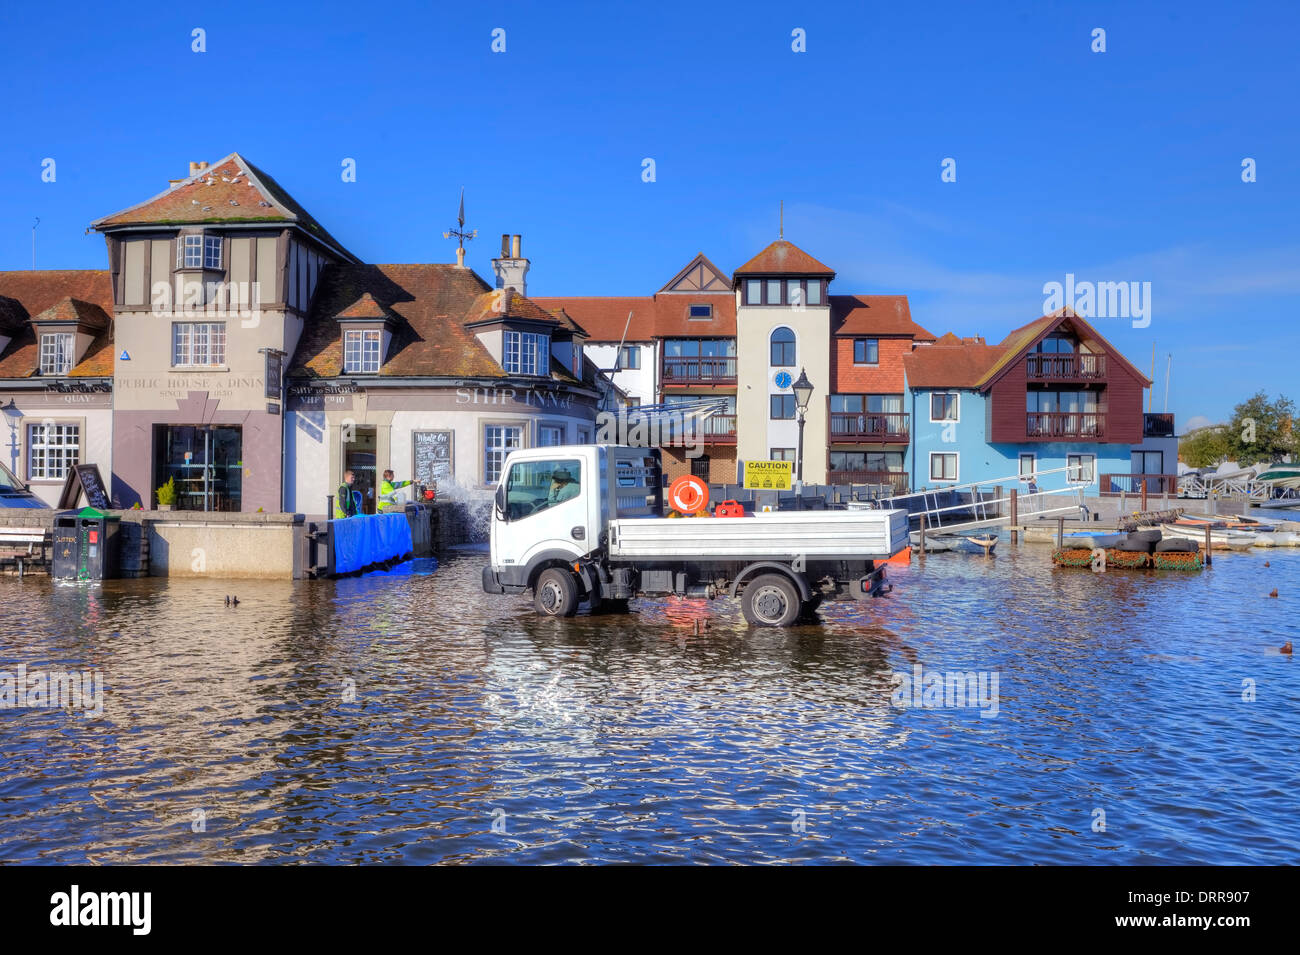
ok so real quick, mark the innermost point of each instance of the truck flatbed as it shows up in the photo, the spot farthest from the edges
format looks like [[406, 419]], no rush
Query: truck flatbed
[[820, 535]]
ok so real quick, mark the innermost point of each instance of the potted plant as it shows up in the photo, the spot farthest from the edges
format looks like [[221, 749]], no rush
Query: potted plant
[[167, 495]]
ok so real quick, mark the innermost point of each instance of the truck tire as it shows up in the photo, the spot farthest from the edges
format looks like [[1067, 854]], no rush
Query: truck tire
[[771, 600], [556, 593]]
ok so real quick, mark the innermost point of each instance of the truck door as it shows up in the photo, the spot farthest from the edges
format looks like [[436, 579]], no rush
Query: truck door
[[546, 509]]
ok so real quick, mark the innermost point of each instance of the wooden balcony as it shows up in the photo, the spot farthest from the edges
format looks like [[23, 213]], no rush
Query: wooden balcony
[[895, 480], [1078, 367], [1157, 425], [698, 372], [1116, 484], [719, 429], [1064, 425], [869, 427]]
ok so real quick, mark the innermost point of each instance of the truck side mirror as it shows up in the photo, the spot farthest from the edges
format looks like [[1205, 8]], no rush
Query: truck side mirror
[[501, 501]]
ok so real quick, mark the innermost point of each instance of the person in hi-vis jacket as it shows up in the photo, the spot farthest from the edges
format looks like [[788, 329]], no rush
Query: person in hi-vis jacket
[[388, 496], [347, 502]]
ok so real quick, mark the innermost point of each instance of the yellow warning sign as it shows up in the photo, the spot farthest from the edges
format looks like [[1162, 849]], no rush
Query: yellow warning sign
[[768, 475]]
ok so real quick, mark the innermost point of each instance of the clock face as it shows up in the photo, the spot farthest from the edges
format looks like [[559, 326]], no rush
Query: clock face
[[783, 379]]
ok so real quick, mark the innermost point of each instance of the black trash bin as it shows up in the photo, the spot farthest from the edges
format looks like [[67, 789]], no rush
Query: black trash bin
[[87, 545]]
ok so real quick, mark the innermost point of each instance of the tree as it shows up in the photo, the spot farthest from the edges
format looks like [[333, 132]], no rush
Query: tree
[[1262, 430], [1204, 447]]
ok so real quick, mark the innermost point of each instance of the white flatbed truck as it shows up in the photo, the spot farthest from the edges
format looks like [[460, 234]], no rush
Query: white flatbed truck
[[582, 523]]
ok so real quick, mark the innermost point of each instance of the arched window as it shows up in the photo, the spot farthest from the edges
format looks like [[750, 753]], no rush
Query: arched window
[[782, 348]]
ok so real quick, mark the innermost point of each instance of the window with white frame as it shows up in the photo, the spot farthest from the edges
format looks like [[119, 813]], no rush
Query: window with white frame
[[189, 252], [943, 466], [498, 441], [1028, 465], [1082, 468], [943, 406], [52, 449], [361, 352], [198, 251], [526, 353], [199, 343], [56, 353], [549, 435]]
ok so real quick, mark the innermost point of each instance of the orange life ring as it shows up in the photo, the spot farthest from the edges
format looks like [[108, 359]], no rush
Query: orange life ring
[[688, 494]]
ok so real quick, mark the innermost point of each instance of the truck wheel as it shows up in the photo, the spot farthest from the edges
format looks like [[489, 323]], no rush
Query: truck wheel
[[556, 593], [771, 600]]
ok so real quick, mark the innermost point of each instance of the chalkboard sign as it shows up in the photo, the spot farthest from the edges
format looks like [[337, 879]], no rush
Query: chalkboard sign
[[85, 478], [432, 453]]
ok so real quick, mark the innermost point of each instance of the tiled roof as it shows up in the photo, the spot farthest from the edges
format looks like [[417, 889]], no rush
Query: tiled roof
[[783, 258], [69, 309], [887, 315], [432, 305], [364, 307], [949, 366], [659, 316], [64, 295], [508, 303], [231, 190]]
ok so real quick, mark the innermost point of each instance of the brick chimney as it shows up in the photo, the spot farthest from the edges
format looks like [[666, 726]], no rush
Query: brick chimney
[[511, 269]]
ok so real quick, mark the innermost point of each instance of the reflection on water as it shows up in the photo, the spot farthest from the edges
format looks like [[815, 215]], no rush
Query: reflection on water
[[408, 717]]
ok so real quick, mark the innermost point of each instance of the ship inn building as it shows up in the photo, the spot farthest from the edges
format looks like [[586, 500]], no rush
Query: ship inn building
[[236, 348]]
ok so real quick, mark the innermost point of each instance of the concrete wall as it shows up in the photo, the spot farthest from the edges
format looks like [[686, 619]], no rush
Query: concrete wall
[[756, 433], [183, 548]]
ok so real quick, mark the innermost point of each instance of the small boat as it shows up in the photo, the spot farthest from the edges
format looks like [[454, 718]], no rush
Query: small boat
[[1092, 539], [1220, 539], [955, 542], [1239, 522], [1277, 539], [1280, 475]]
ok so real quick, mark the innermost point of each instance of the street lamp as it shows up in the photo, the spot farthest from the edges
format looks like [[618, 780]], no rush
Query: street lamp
[[803, 390]]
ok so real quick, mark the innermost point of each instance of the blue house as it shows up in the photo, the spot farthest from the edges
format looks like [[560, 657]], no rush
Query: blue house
[[1053, 394]]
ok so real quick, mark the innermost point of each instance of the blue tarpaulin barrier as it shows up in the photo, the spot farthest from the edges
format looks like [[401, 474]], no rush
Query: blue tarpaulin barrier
[[369, 539]]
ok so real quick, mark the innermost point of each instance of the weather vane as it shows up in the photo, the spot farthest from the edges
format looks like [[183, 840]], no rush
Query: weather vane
[[459, 232]]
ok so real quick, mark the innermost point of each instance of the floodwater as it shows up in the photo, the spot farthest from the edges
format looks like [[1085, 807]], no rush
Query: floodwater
[[407, 717]]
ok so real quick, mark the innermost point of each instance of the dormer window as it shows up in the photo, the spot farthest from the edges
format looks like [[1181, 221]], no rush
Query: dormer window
[[56, 353], [199, 252], [361, 352], [526, 353]]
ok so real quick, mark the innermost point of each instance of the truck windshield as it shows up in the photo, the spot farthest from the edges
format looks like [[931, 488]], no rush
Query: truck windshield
[[534, 486]]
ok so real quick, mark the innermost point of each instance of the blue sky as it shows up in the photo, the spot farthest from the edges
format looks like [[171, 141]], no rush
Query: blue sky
[[1115, 166]]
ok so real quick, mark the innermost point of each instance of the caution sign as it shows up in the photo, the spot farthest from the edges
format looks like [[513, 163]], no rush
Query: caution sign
[[768, 475]]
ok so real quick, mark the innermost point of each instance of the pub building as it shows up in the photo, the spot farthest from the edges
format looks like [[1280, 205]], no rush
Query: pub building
[[211, 281], [429, 371], [56, 375]]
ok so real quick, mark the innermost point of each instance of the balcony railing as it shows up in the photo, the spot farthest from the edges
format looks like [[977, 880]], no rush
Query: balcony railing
[[1065, 424], [699, 371], [1132, 483], [896, 481], [719, 429], [853, 427], [1077, 367], [1157, 425]]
